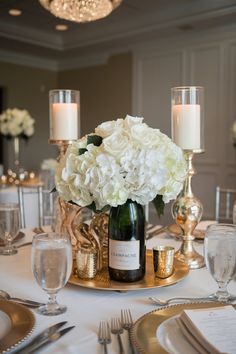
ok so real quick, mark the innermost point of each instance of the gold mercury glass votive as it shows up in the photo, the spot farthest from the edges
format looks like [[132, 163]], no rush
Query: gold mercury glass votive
[[163, 261], [86, 261]]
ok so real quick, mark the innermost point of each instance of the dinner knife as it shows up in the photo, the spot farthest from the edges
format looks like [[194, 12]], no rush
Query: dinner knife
[[52, 338], [40, 338]]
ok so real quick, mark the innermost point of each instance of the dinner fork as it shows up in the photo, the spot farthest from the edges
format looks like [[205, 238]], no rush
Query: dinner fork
[[161, 302], [117, 329], [104, 335], [127, 323]]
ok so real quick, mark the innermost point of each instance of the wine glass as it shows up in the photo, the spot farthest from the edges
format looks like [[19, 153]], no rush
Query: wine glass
[[51, 265], [220, 258], [9, 226]]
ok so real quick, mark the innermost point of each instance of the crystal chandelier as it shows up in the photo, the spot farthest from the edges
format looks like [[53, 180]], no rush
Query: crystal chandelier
[[80, 10]]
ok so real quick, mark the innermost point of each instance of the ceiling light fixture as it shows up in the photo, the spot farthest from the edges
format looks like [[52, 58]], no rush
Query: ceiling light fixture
[[80, 10], [15, 12], [61, 27]]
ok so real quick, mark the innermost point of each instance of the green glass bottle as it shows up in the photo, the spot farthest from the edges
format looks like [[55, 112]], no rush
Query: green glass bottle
[[127, 253]]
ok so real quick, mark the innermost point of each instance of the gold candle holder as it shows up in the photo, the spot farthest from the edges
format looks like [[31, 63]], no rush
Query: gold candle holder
[[187, 211]]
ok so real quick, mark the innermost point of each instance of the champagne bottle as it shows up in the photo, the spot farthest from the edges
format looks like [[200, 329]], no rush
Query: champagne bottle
[[127, 254]]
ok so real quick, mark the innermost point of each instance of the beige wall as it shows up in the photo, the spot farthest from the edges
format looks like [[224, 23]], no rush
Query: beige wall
[[105, 92], [27, 88]]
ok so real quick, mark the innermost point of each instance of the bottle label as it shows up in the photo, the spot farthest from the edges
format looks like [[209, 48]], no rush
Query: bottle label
[[124, 255]]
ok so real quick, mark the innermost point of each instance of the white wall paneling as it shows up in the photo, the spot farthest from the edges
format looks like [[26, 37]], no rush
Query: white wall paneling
[[199, 60]]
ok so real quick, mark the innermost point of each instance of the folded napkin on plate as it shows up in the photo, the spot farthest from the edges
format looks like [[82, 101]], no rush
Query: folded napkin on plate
[[210, 330]]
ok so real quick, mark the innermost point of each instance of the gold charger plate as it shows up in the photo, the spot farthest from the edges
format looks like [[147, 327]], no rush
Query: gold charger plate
[[22, 323], [17, 238], [103, 282], [143, 333], [175, 230]]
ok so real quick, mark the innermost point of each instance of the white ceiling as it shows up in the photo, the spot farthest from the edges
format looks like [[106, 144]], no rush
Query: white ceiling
[[33, 33]]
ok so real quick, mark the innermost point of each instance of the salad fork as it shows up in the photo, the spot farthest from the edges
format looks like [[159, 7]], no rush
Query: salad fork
[[104, 335], [127, 323], [117, 329]]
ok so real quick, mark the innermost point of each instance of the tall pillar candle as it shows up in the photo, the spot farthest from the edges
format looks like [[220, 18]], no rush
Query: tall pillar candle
[[64, 121], [186, 126]]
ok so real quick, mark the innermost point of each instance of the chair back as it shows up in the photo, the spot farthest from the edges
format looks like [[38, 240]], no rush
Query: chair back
[[225, 198], [30, 197]]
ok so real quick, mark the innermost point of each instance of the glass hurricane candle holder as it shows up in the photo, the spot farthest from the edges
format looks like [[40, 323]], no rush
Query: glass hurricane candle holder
[[188, 133], [187, 117], [64, 115]]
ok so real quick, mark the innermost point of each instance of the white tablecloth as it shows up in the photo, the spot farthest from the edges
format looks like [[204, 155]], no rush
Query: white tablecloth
[[86, 307]]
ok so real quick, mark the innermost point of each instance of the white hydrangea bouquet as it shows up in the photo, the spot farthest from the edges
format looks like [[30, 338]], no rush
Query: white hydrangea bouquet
[[16, 122], [233, 131], [124, 159]]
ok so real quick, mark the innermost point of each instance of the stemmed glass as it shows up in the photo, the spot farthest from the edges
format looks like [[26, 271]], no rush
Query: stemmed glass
[[220, 258], [51, 265], [9, 226]]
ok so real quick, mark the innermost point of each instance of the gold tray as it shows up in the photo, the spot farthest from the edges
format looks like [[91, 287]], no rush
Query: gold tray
[[143, 333], [103, 282], [22, 323]]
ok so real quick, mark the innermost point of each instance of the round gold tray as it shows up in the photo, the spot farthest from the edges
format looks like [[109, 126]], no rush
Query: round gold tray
[[143, 333], [103, 282], [21, 321]]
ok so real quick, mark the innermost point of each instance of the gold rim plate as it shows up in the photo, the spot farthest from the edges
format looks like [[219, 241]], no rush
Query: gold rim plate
[[17, 238], [143, 333], [22, 322], [175, 231], [103, 282]]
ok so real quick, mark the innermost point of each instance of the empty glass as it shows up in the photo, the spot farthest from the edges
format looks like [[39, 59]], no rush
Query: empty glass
[[9, 226], [51, 264], [220, 257]]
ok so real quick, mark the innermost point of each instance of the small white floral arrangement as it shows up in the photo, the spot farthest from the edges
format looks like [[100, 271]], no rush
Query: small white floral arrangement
[[123, 159], [16, 122], [233, 131]]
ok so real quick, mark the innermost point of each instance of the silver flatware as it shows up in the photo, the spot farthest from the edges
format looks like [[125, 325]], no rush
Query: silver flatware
[[39, 230], [162, 302], [23, 244], [52, 338], [117, 330], [127, 324], [26, 302], [104, 335], [155, 232], [40, 339]]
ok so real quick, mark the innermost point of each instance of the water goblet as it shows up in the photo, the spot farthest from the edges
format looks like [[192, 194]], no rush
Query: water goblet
[[220, 258], [51, 265], [9, 226]]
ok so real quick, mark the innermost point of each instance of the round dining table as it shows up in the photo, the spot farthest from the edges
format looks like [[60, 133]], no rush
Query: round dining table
[[86, 307]]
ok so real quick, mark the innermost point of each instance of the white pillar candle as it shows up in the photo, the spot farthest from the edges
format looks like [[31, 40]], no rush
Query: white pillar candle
[[64, 121], [186, 126]]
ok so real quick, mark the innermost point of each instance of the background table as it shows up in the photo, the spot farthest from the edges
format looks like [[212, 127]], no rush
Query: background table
[[10, 195], [86, 307]]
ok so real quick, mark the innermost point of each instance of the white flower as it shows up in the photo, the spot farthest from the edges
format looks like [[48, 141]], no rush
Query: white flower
[[133, 161], [16, 122]]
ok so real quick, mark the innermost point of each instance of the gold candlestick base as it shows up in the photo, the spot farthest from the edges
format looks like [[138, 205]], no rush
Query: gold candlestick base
[[62, 146], [187, 211]]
